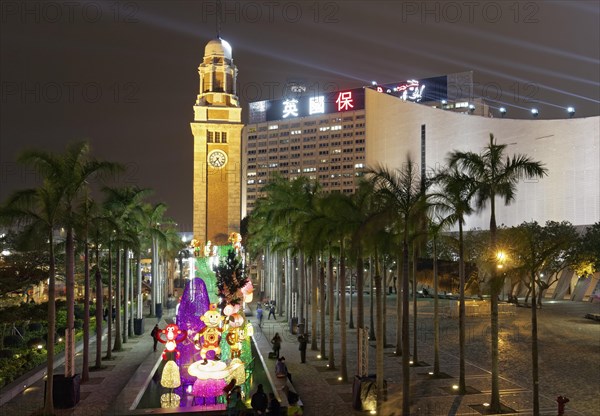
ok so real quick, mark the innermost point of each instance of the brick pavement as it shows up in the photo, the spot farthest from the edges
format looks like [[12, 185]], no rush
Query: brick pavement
[[569, 365]]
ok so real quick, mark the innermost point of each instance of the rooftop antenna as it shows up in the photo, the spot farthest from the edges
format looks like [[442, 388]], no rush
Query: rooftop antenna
[[219, 18]]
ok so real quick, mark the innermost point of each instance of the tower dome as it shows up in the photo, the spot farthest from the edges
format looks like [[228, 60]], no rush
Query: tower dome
[[218, 47]]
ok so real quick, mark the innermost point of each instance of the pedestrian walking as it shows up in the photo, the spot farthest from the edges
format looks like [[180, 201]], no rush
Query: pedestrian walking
[[276, 341], [271, 312], [259, 401], [302, 341], [259, 315], [154, 334]]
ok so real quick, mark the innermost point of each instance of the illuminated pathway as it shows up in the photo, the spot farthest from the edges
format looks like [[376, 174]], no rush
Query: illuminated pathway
[[569, 365]]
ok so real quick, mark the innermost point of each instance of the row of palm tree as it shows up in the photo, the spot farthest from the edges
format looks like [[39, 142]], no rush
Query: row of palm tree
[[119, 225], [391, 214]]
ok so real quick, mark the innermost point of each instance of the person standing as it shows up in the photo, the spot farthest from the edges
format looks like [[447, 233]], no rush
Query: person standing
[[154, 335], [259, 315], [271, 312], [303, 341], [259, 401], [235, 404], [281, 369], [274, 405], [276, 341]]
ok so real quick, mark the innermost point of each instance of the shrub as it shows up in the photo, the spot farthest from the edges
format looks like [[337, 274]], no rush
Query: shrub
[[6, 353], [34, 326], [78, 324], [34, 342], [13, 341], [78, 311]]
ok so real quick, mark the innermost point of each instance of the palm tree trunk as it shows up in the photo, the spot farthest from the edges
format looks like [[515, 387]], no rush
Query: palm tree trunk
[[85, 374], [322, 307], [399, 320], [405, 333], [118, 345], [462, 386], [331, 299], [48, 401], [99, 309], [126, 296], [343, 334], [380, 345], [414, 288], [436, 313], [109, 315], [495, 399], [140, 299], [154, 273], [372, 335], [352, 290], [313, 302], [302, 290], [70, 288], [534, 350], [384, 286], [360, 290]]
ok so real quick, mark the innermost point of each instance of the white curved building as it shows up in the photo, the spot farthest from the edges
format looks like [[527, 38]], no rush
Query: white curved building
[[569, 149]]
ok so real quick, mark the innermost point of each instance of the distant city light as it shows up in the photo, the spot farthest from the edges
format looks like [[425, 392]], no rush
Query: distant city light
[[534, 112]]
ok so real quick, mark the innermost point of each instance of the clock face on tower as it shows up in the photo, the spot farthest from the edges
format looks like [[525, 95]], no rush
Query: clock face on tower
[[217, 158]]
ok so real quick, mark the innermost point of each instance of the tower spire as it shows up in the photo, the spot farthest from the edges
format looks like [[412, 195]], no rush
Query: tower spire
[[218, 18]]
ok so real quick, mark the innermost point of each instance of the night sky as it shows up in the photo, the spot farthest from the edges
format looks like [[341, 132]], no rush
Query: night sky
[[123, 75]]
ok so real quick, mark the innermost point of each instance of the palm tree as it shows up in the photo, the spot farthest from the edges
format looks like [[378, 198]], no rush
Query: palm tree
[[70, 174], [436, 225], [454, 199], [39, 211], [404, 195], [495, 175], [83, 217], [123, 205], [152, 219]]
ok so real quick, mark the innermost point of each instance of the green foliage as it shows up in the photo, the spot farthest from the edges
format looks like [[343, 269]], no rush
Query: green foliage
[[231, 277], [13, 341]]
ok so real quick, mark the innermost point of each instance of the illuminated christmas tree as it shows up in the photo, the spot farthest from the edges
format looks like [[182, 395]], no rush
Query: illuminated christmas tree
[[171, 380]]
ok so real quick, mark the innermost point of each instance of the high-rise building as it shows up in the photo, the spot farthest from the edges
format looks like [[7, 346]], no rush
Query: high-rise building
[[217, 128], [323, 135]]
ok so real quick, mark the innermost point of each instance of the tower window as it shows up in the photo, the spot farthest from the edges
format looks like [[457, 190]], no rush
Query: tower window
[[217, 137], [224, 137], [210, 137]]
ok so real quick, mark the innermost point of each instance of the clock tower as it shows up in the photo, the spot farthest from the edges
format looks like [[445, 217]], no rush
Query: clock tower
[[217, 131]]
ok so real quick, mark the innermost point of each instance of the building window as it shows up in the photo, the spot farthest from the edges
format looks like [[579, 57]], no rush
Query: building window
[[224, 137], [210, 137]]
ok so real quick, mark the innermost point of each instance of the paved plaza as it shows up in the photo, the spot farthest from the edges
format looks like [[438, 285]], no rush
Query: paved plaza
[[569, 365]]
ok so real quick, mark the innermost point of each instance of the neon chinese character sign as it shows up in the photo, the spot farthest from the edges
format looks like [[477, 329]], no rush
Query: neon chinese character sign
[[344, 101], [290, 108], [316, 105]]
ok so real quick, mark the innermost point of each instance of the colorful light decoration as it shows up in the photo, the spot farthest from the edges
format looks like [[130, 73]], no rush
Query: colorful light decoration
[[170, 379], [211, 347], [171, 335]]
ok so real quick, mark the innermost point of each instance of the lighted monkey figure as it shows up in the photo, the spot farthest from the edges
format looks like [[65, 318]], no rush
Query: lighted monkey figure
[[171, 336], [210, 334], [234, 335]]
